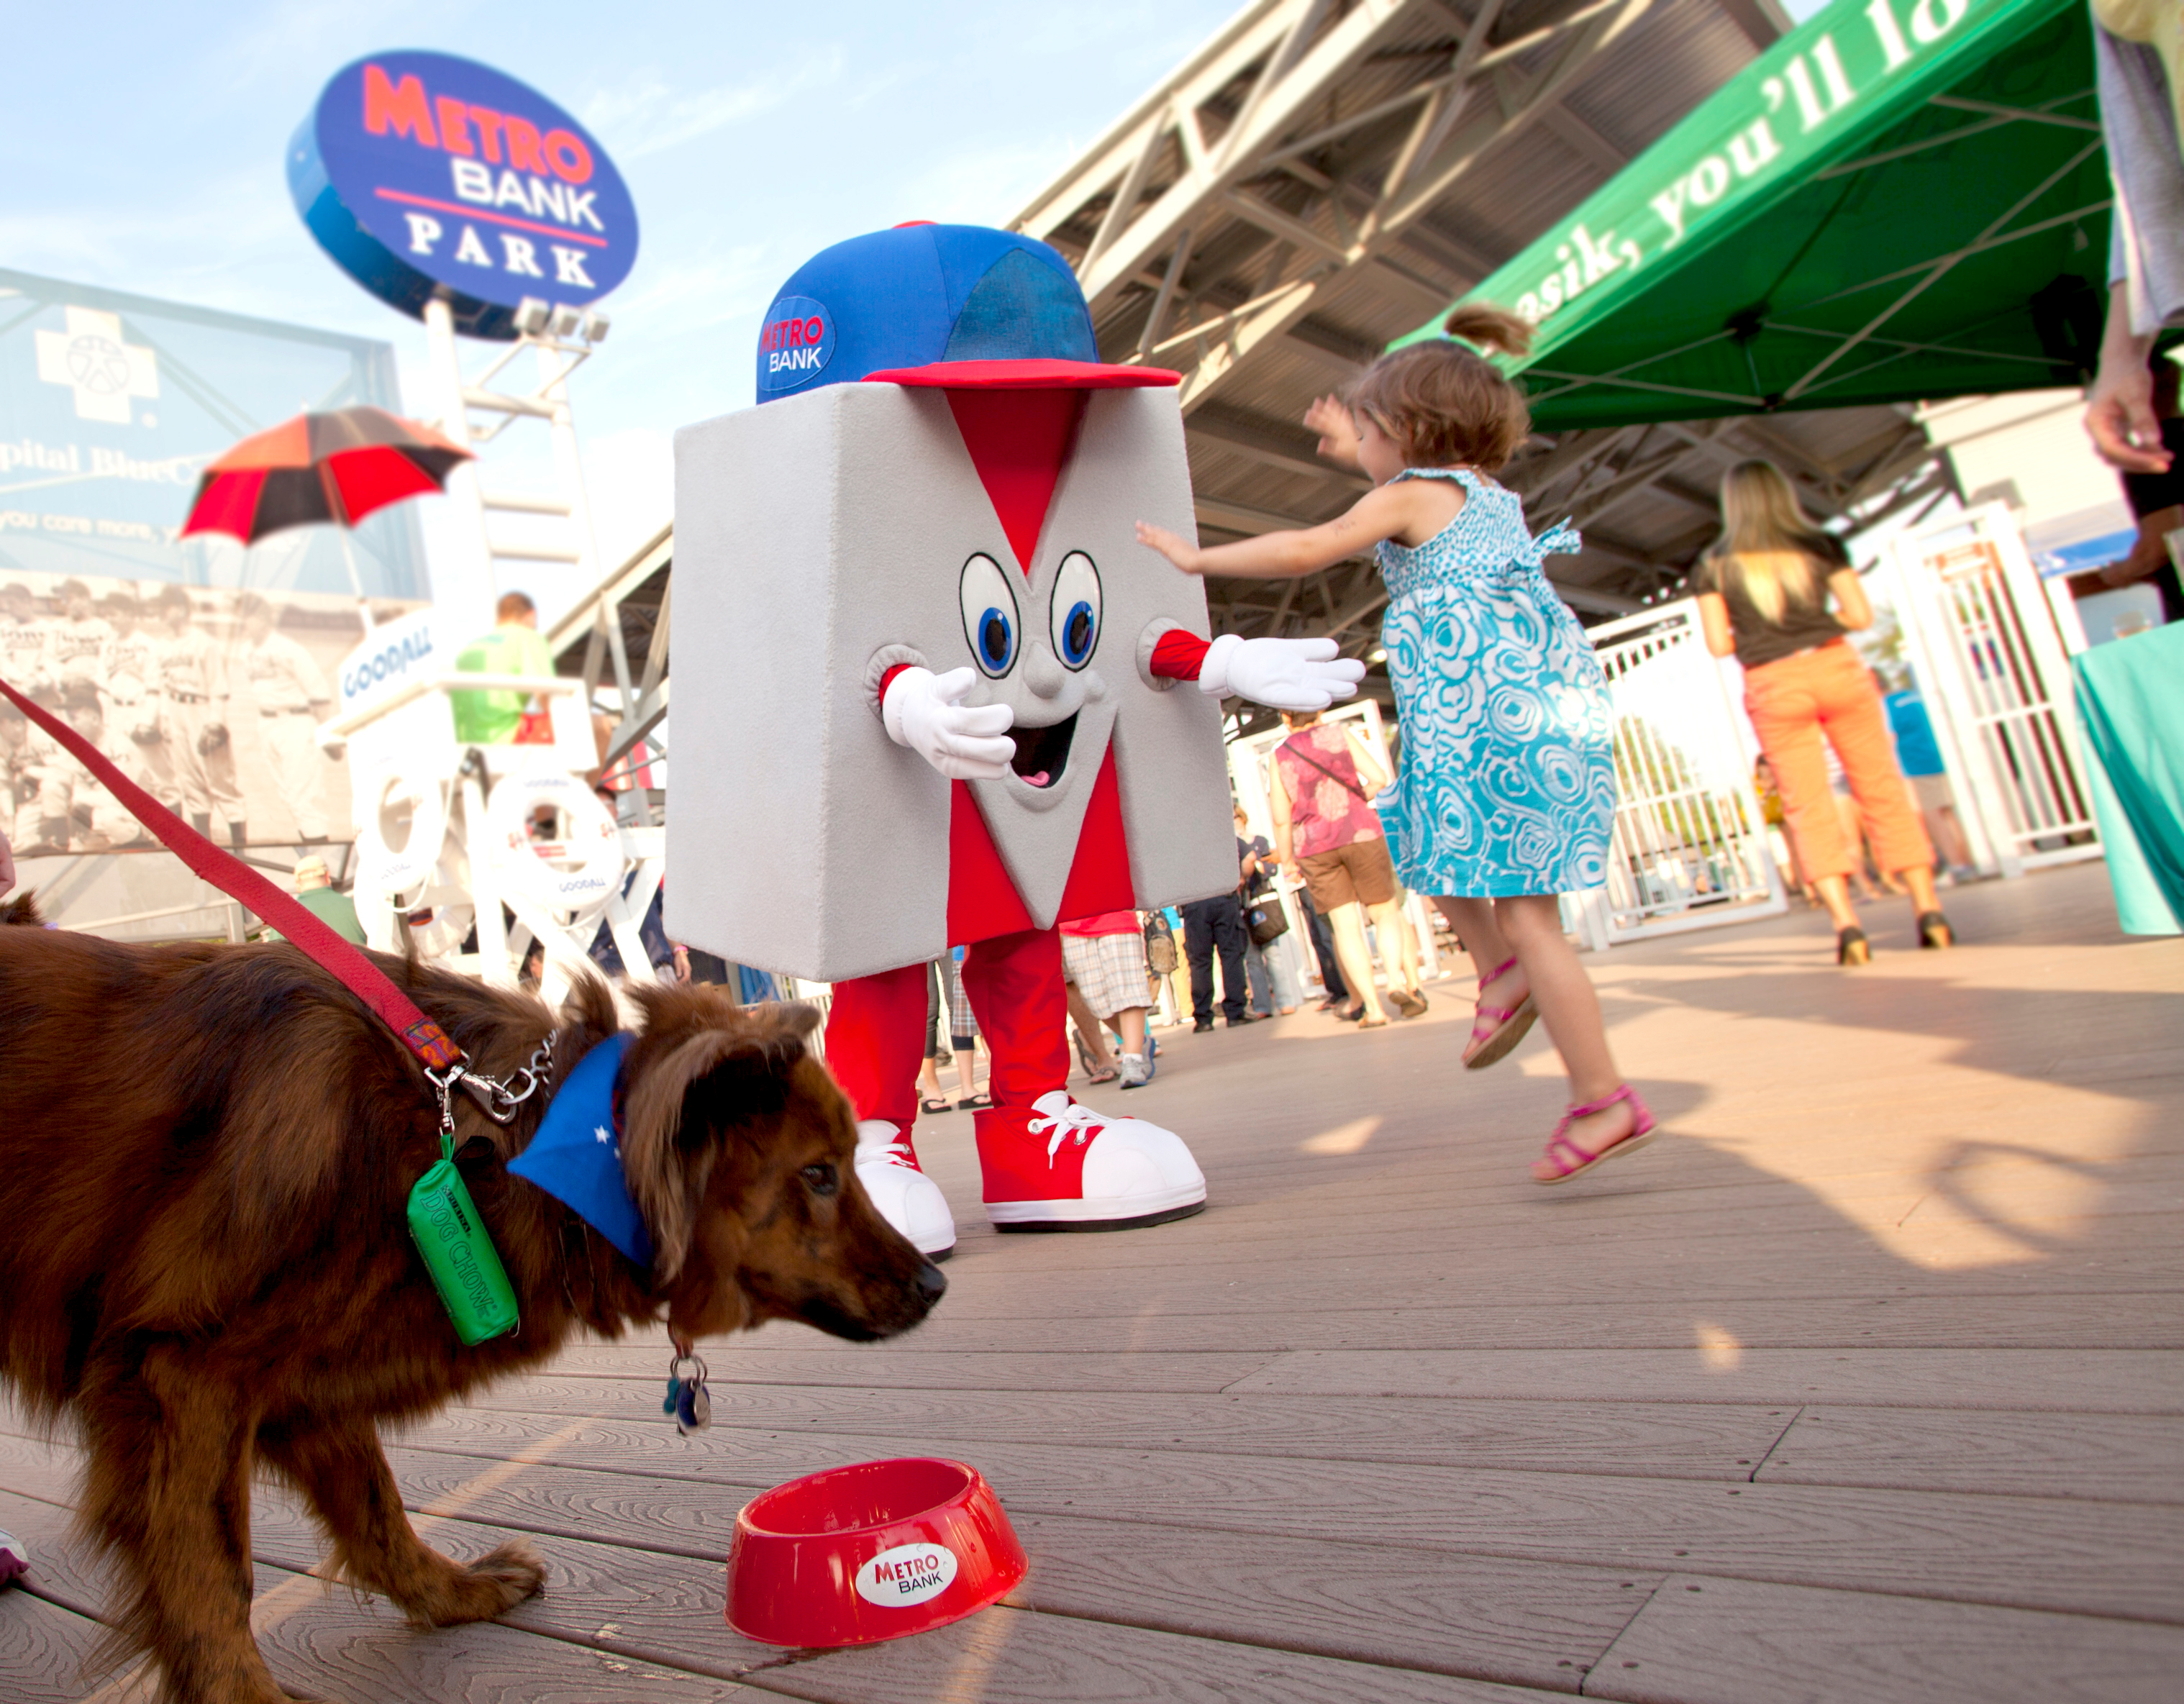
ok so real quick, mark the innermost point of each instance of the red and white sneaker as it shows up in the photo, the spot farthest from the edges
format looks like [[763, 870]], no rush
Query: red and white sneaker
[[1057, 1166], [908, 1200]]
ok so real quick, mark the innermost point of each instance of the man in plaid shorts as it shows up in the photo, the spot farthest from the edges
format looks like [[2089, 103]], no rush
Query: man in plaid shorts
[[1104, 958]]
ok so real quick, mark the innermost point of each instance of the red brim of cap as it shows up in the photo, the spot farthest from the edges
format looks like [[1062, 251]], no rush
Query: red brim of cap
[[1025, 375]]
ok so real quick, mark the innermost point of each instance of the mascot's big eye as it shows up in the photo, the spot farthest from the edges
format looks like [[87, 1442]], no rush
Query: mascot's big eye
[[989, 615], [1076, 610]]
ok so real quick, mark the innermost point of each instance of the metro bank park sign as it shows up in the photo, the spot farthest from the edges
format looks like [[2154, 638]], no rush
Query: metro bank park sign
[[427, 176]]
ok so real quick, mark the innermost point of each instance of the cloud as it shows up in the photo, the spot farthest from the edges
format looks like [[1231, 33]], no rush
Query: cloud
[[643, 116]]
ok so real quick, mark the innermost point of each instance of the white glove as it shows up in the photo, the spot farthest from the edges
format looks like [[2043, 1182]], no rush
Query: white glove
[[924, 710], [1283, 674]]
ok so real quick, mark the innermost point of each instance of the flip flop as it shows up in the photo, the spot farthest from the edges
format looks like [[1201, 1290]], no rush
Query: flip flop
[[976, 1103], [936, 1103], [1105, 1073]]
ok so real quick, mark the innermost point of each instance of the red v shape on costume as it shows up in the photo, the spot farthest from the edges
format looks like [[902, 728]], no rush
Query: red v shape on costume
[[1019, 442]]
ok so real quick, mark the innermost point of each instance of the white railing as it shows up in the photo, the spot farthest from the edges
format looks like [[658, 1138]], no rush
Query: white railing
[[1690, 846], [1983, 637]]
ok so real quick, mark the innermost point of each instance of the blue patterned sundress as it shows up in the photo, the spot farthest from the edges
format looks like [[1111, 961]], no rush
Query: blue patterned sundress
[[1508, 762]]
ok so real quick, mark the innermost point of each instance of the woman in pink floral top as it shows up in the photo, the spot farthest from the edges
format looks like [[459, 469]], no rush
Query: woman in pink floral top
[[1327, 832]]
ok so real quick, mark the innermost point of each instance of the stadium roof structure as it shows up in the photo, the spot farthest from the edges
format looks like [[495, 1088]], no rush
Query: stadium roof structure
[[1320, 176]]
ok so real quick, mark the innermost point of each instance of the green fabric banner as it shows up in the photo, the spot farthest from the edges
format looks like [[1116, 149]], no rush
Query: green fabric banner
[[1870, 211]]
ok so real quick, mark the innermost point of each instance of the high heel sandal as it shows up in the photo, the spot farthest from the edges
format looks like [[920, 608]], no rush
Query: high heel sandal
[[1496, 1029], [1559, 1145], [1935, 930], [1852, 947]]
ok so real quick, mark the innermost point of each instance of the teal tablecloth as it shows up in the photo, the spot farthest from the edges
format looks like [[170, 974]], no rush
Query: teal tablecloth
[[2130, 703]]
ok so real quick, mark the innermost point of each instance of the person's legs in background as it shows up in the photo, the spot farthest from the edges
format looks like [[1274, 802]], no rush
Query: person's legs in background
[[1277, 956], [1225, 919], [1786, 714], [1348, 922], [1257, 977], [1098, 1058], [1198, 953], [1857, 727], [1322, 951], [1937, 809], [1399, 952], [1332, 882]]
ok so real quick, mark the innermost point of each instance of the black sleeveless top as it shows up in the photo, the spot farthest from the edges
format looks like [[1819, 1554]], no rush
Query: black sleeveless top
[[1803, 626]]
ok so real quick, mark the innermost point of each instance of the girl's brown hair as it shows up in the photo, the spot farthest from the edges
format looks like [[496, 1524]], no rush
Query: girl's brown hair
[[1446, 404]]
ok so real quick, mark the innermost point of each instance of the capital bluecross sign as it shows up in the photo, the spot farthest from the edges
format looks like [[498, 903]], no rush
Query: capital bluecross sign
[[427, 176]]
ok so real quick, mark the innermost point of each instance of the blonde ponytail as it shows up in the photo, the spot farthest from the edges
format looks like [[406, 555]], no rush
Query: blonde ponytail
[[1770, 548]]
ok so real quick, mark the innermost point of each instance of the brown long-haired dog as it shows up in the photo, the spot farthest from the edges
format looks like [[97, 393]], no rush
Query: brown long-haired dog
[[205, 1158]]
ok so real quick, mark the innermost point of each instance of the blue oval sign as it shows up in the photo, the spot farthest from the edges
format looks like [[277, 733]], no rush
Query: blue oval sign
[[794, 344], [427, 176]]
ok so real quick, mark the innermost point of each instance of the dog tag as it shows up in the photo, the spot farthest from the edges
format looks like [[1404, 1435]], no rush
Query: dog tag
[[687, 1398]]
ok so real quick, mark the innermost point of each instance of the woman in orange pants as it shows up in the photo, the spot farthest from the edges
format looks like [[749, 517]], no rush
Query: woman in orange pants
[[1764, 595]]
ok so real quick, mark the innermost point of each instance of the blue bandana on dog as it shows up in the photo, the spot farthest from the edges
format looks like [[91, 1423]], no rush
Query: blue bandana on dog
[[575, 1157]]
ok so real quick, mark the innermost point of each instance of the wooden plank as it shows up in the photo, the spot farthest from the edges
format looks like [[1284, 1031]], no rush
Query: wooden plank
[[2109, 1381], [2123, 1457], [1488, 1618], [44, 1650], [867, 1365], [2032, 1552], [1710, 1641], [1523, 1622], [1694, 1440], [318, 1640], [2141, 1320], [1003, 1656], [1013, 1657]]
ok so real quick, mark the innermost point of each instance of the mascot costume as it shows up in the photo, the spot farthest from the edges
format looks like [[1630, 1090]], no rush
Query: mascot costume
[[925, 696]]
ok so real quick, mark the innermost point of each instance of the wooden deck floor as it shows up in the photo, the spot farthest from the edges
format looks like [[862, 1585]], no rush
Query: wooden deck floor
[[1863, 1383]]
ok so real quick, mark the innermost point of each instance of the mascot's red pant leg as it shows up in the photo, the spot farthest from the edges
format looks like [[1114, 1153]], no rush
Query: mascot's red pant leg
[[1014, 983], [875, 1041], [876, 1031], [1044, 1163]]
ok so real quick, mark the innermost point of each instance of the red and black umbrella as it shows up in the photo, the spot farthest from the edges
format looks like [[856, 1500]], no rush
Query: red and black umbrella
[[338, 466]]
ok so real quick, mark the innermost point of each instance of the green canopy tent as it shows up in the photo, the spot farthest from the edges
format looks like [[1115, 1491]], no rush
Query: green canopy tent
[[1900, 200]]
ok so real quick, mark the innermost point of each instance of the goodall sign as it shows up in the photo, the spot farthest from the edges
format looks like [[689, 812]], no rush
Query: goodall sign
[[424, 174]]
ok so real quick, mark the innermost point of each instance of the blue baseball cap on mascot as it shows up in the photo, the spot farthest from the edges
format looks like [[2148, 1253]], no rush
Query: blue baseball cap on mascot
[[957, 306]]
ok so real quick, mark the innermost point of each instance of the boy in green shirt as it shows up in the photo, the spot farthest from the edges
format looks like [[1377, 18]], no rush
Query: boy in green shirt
[[514, 647]]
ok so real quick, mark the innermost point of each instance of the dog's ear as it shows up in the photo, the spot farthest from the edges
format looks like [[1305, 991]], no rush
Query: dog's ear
[[703, 1084]]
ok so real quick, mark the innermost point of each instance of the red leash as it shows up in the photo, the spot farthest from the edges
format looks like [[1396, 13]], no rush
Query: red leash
[[238, 881]]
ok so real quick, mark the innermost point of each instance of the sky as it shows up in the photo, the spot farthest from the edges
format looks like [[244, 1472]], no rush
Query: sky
[[751, 137]]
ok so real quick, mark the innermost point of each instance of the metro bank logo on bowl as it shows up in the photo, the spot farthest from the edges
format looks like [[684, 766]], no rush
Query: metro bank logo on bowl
[[907, 1574], [424, 174]]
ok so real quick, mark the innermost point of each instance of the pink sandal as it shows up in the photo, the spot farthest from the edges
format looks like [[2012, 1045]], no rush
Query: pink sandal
[[1496, 1029], [1561, 1150]]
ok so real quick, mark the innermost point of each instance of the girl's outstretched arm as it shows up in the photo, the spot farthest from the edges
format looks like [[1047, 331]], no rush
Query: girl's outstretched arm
[[1384, 512]]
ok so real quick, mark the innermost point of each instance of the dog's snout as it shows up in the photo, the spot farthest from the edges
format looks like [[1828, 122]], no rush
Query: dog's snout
[[932, 1284]]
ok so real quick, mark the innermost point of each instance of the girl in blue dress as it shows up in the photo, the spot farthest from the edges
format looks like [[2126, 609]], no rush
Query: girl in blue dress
[[1508, 792]]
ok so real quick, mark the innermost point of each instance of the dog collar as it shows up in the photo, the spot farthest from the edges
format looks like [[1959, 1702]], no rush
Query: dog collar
[[575, 1157]]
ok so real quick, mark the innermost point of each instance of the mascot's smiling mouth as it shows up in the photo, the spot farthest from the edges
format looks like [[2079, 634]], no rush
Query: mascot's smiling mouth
[[1043, 753]]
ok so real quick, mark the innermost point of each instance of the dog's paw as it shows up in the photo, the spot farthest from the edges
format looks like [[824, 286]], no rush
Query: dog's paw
[[511, 1573]]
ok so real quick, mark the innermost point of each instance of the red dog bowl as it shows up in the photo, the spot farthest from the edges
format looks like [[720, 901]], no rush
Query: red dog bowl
[[875, 1551]]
